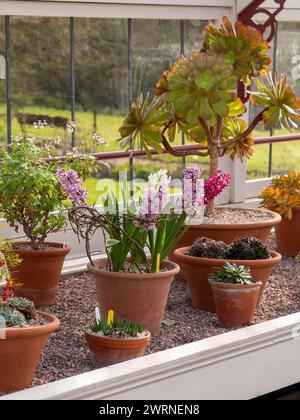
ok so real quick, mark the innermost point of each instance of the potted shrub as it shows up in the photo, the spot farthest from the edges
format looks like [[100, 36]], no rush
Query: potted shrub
[[197, 96], [23, 333], [112, 342], [235, 293], [199, 261], [31, 197], [283, 196], [135, 278]]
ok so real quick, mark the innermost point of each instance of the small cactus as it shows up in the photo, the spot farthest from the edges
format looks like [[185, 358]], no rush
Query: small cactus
[[248, 249], [22, 305], [208, 248]]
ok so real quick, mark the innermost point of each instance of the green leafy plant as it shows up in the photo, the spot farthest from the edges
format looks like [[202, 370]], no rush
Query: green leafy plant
[[137, 236], [197, 96], [31, 195], [248, 249], [208, 248], [283, 195], [119, 328], [232, 274]]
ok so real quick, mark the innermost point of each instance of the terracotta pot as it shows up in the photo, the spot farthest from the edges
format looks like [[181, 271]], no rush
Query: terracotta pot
[[20, 351], [288, 235], [39, 273], [134, 296], [106, 351], [235, 303], [198, 270], [228, 232]]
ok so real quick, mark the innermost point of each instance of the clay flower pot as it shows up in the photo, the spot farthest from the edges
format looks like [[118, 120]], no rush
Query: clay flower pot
[[235, 303], [106, 351], [229, 232], [288, 235], [197, 270], [20, 350], [39, 272], [135, 296]]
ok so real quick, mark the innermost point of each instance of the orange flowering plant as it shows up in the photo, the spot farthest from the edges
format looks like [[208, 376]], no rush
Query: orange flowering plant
[[283, 194]]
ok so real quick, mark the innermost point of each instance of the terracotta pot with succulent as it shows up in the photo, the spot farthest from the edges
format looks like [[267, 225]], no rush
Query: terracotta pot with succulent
[[135, 278], [199, 261], [283, 196], [31, 197], [197, 96], [112, 342], [235, 294], [23, 333]]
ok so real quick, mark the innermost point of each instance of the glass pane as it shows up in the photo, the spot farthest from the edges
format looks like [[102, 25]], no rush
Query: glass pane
[[3, 132], [40, 76], [101, 63], [284, 155], [193, 35]]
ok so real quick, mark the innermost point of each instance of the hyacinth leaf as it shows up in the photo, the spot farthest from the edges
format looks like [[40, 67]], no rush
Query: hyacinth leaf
[[282, 105], [143, 124], [241, 46], [232, 128]]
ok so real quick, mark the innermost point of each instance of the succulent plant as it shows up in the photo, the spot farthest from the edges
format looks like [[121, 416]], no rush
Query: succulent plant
[[282, 107], [208, 248], [25, 306], [197, 96], [12, 317], [201, 87], [249, 248], [239, 45], [283, 194], [232, 274]]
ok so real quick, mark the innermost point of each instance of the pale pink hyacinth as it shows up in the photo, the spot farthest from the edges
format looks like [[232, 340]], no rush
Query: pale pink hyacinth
[[193, 192], [154, 200], [71, 184]]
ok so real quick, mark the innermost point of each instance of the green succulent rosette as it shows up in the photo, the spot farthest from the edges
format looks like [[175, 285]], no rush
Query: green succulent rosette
[[241, 46]]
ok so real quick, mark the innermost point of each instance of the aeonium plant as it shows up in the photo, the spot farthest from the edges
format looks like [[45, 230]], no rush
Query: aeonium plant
[[197, 96], [31, 195], [138, 236]]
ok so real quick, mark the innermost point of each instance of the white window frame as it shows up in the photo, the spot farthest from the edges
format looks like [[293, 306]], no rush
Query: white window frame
[[149, 9]]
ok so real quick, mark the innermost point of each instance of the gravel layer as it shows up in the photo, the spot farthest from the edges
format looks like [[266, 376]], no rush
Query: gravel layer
[[230, 215], [66, 353]]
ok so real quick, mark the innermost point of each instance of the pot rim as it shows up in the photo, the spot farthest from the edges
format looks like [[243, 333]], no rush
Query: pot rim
[[220, 285], [173, 271], [60, 249], [111, 342], [36, 331], [180, 254], [107, 338], [275, 220]]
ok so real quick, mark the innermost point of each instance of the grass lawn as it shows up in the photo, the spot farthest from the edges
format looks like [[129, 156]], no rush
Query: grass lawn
[[286, 156]]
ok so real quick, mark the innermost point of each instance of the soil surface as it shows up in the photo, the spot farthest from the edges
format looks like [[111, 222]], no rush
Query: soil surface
[[224, 215], [67, 354]]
